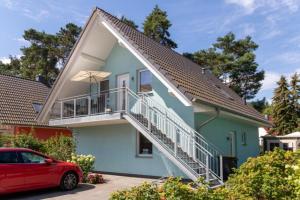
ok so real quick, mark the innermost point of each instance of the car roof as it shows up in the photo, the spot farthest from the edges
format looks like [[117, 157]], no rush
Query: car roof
[[14, 149]]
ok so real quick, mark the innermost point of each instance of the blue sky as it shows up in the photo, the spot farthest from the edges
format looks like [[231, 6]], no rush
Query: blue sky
[[273, 24]]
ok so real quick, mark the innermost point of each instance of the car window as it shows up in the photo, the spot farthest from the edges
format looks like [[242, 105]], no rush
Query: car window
[[29, 157], [8, 157]]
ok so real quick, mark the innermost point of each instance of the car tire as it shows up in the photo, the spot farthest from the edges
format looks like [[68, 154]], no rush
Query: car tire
[[69, 181]]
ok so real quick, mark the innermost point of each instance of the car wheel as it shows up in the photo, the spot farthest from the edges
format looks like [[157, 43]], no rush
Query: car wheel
[[69, 181]]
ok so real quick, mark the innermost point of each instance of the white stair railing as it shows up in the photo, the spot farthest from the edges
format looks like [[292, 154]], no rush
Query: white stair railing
[[152, 115]]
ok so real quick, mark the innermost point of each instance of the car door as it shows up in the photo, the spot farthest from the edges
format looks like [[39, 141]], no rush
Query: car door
[[37, 172], [11, 177]]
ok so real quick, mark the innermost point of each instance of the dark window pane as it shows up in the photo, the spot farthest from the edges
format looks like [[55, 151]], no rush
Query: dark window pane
[[273, 145], [8, 157], [37, 107], [145, 81], [145, 146], [29, 157], [104, 86]]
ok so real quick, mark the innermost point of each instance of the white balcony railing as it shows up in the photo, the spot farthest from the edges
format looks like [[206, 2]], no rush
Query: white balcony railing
[[110, 101]]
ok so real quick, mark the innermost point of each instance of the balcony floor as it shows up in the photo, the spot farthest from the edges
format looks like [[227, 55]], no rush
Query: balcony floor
[[92, 120]]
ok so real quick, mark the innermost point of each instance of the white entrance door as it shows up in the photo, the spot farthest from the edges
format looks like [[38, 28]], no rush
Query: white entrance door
[[123, 82]]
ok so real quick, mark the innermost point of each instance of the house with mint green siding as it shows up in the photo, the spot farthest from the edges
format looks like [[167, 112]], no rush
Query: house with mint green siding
[[143, 109]]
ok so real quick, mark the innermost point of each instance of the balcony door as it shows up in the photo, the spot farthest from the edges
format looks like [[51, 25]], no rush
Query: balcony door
[[123, 82]]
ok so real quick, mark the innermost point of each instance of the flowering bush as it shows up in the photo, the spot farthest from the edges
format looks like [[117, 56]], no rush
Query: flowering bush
[[264, 177], [94, 178], [86, 163]]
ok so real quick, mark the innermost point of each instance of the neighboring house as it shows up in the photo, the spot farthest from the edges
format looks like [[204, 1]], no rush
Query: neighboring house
[[144, 109], [261, 133], [287, 142], [20, 101]]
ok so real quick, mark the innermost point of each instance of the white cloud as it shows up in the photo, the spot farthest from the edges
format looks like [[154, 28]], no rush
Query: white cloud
[[248, 29], [8, 3], [271, 78], [248, 5], [266, 6], [5, 60], [37, 16], [289, 57]]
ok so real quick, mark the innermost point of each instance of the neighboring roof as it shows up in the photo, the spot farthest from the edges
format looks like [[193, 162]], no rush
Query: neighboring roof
[[291, 135], [17, 97], [186, 75], [295, 134]]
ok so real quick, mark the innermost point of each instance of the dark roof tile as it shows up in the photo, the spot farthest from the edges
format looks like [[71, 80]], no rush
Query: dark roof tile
[[186, 75], [16, 98]]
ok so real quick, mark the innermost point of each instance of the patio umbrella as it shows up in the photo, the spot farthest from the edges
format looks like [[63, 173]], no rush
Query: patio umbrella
[[87, 76]]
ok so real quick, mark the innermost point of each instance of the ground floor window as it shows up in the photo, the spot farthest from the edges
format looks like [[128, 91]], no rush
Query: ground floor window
[[144, 146]]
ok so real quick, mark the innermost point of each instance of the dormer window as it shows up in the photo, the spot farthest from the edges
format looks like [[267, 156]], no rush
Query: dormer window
[[37, 107]]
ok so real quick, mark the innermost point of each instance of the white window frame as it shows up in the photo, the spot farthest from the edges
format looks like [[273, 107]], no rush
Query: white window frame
[[138, 147]]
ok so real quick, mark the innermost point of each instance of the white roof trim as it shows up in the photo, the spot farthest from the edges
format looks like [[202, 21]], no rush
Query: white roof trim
[[143, 60]]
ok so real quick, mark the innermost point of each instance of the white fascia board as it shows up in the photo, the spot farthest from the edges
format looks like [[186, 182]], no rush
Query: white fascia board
[[145, 62]]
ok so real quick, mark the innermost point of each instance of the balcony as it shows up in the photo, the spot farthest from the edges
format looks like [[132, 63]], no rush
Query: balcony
[[104, 107]]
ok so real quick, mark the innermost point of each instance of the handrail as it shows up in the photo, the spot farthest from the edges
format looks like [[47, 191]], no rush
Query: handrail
[[211, 154], [181, 121]]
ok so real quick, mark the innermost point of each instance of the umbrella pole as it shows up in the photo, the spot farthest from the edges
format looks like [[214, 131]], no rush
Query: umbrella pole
[[90, 84]]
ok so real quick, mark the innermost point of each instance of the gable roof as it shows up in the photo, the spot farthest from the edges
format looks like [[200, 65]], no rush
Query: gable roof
[[17, 96], [184, 74]]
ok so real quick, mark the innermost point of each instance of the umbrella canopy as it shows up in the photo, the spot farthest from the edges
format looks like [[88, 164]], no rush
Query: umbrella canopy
[[87, 75]]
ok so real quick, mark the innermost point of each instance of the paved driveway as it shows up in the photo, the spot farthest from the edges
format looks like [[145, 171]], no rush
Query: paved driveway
[[84, 191]]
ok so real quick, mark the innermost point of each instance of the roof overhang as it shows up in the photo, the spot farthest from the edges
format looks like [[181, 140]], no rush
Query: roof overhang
[[204, 107]]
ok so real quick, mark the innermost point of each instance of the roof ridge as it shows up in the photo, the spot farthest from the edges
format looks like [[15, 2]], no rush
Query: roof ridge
[[17, 77]]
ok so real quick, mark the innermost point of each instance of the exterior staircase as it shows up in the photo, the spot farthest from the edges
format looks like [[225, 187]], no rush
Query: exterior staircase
[[185, 147]]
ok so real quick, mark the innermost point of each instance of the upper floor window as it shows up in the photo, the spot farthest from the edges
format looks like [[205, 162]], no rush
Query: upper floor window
[[145, 81]]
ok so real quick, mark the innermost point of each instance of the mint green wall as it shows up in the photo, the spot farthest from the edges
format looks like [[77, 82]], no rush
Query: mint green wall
[[218, 132], [121, 61], [115, 149]]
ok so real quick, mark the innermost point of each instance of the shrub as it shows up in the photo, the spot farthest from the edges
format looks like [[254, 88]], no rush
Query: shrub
[[60, 147], [94, 178], [264, 177], [173, 188], [294, 178], [5, 140], [26, 141], [146, 191], [86, 163]]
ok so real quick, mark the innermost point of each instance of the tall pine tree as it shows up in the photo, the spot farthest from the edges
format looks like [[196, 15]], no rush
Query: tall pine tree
[[283, 110], [156, 26], [295, 94], [234, 62]]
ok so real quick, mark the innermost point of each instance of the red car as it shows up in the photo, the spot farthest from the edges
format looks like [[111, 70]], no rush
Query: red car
[[25, 169]]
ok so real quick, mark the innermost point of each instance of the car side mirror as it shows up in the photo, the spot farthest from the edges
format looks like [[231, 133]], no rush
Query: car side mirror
[[48, 161]]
